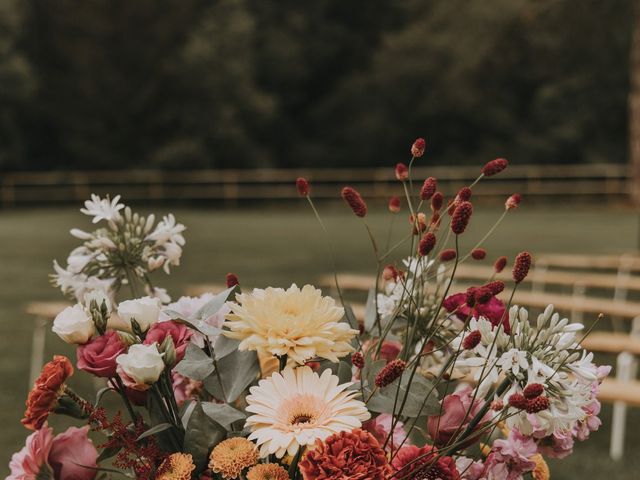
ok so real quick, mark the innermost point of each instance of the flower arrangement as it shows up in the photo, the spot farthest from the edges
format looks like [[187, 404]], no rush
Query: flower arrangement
[[434, 382]]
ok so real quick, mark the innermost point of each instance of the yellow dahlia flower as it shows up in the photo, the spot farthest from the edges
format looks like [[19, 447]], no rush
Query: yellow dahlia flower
[[177, 466], [233, 455], [301, 324], [267, 471], [297, 407]]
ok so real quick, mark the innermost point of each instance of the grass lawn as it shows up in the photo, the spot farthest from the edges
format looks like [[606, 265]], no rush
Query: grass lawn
[[277, 246]]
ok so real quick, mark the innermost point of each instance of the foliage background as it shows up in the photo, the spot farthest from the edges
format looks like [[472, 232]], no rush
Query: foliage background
[[110, 84]]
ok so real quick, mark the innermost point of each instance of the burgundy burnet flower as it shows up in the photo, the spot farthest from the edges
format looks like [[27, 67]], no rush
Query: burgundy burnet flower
[[355, 201], [500, 264], [179, 332], [232, 280], [493, 310], [426, 244], [417, 149], [402, 172], [428, 189], [302, 186], [394, 204], [99, 355], [356, 454], [494, 167]]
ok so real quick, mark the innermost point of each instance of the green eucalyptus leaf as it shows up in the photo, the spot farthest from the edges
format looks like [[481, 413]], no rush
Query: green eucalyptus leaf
[[350, 317], [214, 305], [422, 398], [344, 372], [196, 364], [155, 429], [234, 374], [225, 346], [202, 434], [222, 413]]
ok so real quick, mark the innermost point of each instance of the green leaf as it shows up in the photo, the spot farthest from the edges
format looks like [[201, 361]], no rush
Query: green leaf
[[202, 434], [214, 305], [344, 372], [196, 364], [100, 394], [222, 413], [194, 324], [186, 413], [224, 346], [422, 398], [153, 430], [234, 374], [66, 406]]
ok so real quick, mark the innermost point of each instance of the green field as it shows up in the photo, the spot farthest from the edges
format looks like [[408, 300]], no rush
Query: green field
[[276, 247]]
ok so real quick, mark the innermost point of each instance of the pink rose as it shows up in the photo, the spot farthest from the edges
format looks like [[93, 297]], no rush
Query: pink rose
[[71, 452], [457, 412], [34, 456], [99, 355], [179, 332]]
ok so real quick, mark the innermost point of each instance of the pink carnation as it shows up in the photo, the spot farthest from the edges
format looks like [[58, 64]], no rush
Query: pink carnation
[[510, 458]]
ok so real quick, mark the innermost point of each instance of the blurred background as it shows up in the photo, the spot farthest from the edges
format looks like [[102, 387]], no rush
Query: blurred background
[[211, 109]]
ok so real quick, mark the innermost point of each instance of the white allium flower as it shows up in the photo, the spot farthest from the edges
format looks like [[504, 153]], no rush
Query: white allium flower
[[168, 230], [80, 234], [73, 325], [141, 366], [145, 311], [172, 252], [102, 209], [513, 360], [78, 259]]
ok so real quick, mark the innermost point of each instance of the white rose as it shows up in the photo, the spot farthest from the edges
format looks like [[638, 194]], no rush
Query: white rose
[[141, 365], [73, 325], [145, 310]]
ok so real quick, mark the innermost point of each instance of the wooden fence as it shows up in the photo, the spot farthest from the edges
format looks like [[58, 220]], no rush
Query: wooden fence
[[608, 182]]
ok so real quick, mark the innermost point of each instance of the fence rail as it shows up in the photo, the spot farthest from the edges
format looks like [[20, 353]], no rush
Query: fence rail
[[608, 181]]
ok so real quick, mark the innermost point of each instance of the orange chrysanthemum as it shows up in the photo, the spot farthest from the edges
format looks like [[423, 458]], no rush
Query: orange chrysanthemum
[[267, 471], [48, 387], [177, 466], [541, 471], [232, 456]]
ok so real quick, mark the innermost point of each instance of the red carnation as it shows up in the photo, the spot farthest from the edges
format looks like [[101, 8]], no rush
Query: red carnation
[[447, 255], [303, 187], [355, 201], [478, 254], [180, 334], [494, 167], [98, 356], [521, 266], [394, 204], [500, 264], [46, 391], [428, 188], [417, 149], [426, 244], [436, 201], [461, 217], [232, 280], [513, 201], [355, 454]]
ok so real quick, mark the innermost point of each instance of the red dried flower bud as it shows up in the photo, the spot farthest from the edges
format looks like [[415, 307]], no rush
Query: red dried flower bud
[[472, 340], [483, 295], [355, 201], [537, 404], [417, 149], [426, 244], [303, 187], [470, 299], [494, 167], [478, 254], [389, 273], [518, 401], [461, 217], [428, 188], [232, 280], [394, 204], [513, 201], [447, 255], [533, 390], [402, 172], [495, 287], [500, 264], [464, 194], [435, 220], [390, 372], [436, 201], [497, 405], [357, 359], [521, 266]]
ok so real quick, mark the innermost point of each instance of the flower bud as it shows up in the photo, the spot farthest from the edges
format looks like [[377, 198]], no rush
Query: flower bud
[[402, 172], [355, 201], [303, 187], [417, 149], [533, 390], [464, 194], [513, 201], [517, 400], [428, 189], [472, 340], [426, 244], [478, 254], [390, 372], [447, 255], [537, 404], [495, 287], [232, 280], [74, 325], [500, 264], [521, 266], [168, 349], [394, 204], [437, 201], [389, 273], [357, 359], [494, 167], [461, 217]]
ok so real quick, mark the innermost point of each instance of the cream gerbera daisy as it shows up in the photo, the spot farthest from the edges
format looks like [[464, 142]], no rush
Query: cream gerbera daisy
[[295, 408], [301, 324]]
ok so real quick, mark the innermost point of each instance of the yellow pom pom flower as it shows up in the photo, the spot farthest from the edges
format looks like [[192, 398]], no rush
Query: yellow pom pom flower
[[267, 471], [230, 457], [177, 466]]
